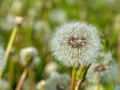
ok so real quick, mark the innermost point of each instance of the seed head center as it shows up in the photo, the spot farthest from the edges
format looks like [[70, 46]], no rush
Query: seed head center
[[100, 67], [77, 42]]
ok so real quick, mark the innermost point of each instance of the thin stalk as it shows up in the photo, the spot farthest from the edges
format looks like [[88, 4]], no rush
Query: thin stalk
[[98, 86], [73, 78], [10, 45], [10, 42], [81, 76], [22, 78]]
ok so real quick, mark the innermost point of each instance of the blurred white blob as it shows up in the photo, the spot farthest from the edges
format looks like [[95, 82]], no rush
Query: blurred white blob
[[117, 87], [10, 21], [28, 55], [18, 20], [41, 25], [16, 6], [41, 85], [42, 30], [51, 68], [32, 12], [58, 82], [58, 16], [7, 23]]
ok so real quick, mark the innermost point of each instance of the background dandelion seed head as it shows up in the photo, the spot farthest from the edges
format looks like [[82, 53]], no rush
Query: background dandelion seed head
[[58, 82], [104, 66]]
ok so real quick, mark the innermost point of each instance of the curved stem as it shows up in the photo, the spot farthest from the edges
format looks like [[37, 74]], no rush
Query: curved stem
[[22, 78], [81, 76], [10, 42]]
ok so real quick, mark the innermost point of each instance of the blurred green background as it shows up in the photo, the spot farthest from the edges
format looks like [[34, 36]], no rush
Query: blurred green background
[[41, 17]]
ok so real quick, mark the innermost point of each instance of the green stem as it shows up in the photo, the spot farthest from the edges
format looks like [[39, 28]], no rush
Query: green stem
[[98, 86], [9, 45], [22, 78], [81, 73], [10, 42], [73, 78]]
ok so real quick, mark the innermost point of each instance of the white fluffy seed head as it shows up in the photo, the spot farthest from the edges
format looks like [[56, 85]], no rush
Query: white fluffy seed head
[[18, 20], [58, 82], [29, 52], [104, 70], [75, 44]]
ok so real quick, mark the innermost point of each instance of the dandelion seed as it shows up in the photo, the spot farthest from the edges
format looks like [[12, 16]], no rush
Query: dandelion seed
[[104, 66], [58, 82], [75, 44]]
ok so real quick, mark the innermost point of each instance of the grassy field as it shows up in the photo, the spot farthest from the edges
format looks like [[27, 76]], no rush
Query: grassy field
[[38, 21]]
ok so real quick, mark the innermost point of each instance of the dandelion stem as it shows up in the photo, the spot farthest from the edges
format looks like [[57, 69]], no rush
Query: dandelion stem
[[73, 78], [10, 42], [22, 78], [81, 73], [98, 86]]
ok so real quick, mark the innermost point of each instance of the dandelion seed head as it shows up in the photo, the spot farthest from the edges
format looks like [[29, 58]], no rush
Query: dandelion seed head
[[7, 23], [104, 66], [75, 44], [28, 52], [58, 82]]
